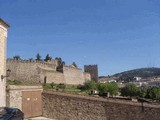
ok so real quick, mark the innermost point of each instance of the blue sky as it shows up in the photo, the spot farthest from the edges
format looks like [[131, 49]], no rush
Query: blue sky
[[118, 35]]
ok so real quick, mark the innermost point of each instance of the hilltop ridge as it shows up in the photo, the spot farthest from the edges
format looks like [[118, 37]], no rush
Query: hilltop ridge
[[140, 72]]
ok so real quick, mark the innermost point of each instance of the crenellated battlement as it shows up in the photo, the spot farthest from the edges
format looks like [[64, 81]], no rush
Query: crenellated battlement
[[41, 71], [49, 63]]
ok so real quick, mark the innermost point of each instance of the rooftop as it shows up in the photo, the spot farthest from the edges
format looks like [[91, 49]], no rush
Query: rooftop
[[2, 22]]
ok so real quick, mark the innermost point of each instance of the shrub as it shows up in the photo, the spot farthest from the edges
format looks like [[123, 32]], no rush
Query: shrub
[[14, 82], [154, 93], [61, 86], [90, 85], [130, 90], [53, 85]]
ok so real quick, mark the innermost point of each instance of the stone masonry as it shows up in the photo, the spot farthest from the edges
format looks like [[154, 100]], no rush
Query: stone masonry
[[93, 70], [62, 106], [45, 72], [3, 37]]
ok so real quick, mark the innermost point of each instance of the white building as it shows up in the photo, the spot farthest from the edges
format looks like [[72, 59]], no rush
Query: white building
[[3, 40]]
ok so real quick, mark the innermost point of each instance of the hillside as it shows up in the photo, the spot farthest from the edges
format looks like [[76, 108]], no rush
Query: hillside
[[141, 72]]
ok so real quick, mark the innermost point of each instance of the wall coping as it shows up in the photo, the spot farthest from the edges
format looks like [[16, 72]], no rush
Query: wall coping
[[100, 99], [23, 87], [30, 62]]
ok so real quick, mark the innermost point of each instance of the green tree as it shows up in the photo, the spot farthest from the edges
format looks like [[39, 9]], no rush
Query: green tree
[[143, 92], [60, 62], [63, 63], [102, 87], [30, 59], [74, 64], [154, 93], [112, 88], [90, 85], [48, 58], [130, 90], [16, 57], [38, 57]]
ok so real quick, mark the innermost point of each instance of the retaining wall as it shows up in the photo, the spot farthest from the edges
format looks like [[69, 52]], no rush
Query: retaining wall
[[62, 106]]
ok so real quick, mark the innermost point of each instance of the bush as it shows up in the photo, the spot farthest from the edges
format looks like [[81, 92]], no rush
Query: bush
[[130, 90], [154, 93], [61, 86], [111, 88], [14, 82], [89, 85], [53, 85], [102, 88], [47, 86]]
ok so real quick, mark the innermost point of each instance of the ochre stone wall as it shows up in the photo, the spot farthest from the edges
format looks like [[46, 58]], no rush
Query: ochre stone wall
[[33, 72], [52, 76], [87, 76], [73, 75], [40, 72], [23, 71], [62, 106]]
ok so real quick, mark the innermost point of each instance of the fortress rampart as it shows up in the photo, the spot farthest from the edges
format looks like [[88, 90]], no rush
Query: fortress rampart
[[45, 72]]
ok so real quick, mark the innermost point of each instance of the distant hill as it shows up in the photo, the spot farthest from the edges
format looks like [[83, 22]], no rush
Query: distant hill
[[141, 72]]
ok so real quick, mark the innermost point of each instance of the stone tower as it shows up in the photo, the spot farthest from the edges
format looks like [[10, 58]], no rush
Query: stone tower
[[93, 70], [3, 40]]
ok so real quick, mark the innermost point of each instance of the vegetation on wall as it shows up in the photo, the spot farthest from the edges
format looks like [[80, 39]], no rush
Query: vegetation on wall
[[48, 58], [14, 82], [74, 64], [16, 57], [38, 57]]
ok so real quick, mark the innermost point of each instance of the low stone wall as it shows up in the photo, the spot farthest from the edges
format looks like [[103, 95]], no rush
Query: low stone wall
[[62, 106], [14, 94]]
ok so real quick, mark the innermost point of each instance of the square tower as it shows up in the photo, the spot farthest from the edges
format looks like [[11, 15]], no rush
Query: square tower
[[3, 40], [93, 70]]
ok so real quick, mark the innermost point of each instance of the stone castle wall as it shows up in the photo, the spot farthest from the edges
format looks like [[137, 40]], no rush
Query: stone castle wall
[[61, 106], [40, 72], [87, 76], [52, 76], [73, 75], [23, 71]]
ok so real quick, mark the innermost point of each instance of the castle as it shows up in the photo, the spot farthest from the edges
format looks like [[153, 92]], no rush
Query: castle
[[35, 71], [3, 39], [45, 72]]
